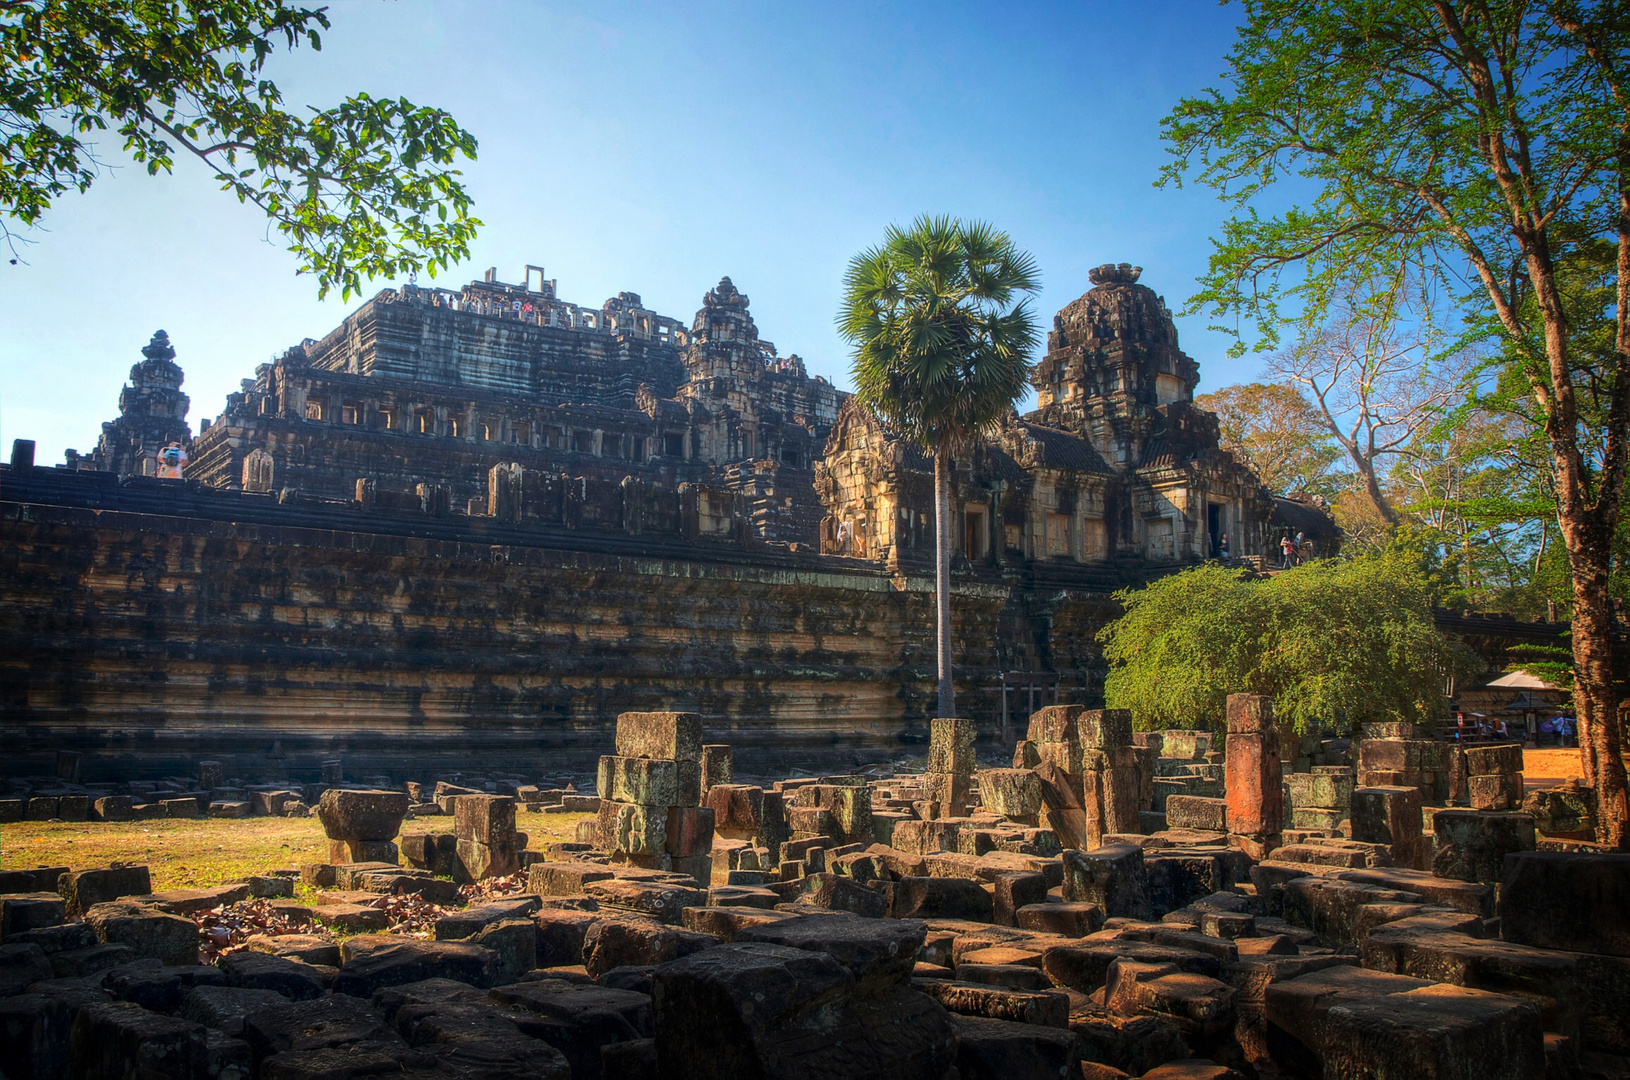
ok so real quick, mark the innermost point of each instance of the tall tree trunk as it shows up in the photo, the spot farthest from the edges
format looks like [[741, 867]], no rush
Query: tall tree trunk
[[1372, 488], [942, 577], [1595, 697]]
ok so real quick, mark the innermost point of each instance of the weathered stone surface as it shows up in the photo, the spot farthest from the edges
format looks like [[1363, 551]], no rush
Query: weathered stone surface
[[563, 878], [307, 947], [362, 815], [1112, 878], [122, 1039], [616, 943], [674, 736], [1472, 844], [1048, 1008], [998, 1050], [1435, 1032], [20, 912], [754, 1009], [1069, 919], [1197, 812], [1084, 965], [662, 900], [84, 889], [939, 897], [21, 966], [1574, 902], [651, 781], [1253, 782], [225, 1007], [1104, 729], [371, 962], [1010, 792], [631, 827], [292, 979], [841, 894], [879, 954], [150, 932]]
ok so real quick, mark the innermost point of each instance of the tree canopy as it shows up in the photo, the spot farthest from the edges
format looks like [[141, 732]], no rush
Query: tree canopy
[[1272, 428], [361, 189], [1337, 642]]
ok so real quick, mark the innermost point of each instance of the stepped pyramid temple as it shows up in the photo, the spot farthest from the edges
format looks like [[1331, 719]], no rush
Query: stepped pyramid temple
[[479, 524]]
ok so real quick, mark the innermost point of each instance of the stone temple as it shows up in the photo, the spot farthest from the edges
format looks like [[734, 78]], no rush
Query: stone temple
[[479, 524]]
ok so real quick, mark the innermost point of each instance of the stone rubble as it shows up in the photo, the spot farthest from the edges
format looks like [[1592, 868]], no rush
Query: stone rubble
[[1112, 905]]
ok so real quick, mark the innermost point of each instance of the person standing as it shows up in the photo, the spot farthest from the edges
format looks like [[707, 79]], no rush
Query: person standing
[[1222, 547], [170, 462]]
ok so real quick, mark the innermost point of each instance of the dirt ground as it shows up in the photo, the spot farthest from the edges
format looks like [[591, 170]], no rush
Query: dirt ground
[[1551, 765], [194, 854]]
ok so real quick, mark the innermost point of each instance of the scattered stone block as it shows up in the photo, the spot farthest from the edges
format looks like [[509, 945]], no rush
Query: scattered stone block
[[1112, 878], [1070, 919], [21, 966], [1392, 816], [148, 931], [251, 970], [996, 1049], [1435, 1032], [20, 912], [1565, 901], [123, 1039], [1472, 844], [1197, 812], [939, 898], [615, 943], [674, 736], [718, 766], [84, 889], [374, 961]]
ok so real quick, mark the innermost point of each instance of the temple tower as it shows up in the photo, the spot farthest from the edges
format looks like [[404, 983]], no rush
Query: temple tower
[[152, 414]]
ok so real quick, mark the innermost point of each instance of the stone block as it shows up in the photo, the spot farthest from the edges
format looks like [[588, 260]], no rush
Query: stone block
[[123, 1039], [362, 815], [41, 808], [1025, 755], [1105, 729], [689, 831], [651, 781], [744, 1010], [1435, 1033], [1055, 724], [939, 898], [372, 962], [925, 837], [1112, 877], [950, 746], [718, 766], [737, 808], [1494, 760], [170, 939], [1501, 791], [1567, 901], [1389, 815], [615, 943], [74, 807], [1201, 1006], [1322, 791], [112, 808], [489, 819], [660, 900], [675, 736], [1001, 1049], [1249, 714], [1196, 812], [951, 791], [21, 966], [1017, 889], [631, 827], [1472, 844], [835, 893], [20, 912], [1069, 919], [1254, 787], [560, 935], [341, 852], [478, 861], [563, 878]]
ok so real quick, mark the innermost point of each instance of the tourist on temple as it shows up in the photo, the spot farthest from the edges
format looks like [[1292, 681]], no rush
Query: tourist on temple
[[170, 461]]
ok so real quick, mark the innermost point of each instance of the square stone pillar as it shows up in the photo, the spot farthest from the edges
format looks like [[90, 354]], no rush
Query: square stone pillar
[[1253, 776]]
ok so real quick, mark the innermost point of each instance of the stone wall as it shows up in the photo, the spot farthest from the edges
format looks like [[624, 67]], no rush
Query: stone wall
[[151, 623]]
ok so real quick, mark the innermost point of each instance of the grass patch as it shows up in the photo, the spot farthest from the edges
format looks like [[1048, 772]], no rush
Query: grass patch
[[198, 853]]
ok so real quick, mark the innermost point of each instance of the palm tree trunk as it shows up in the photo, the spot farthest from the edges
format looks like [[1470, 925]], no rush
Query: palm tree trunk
[[942, 577]]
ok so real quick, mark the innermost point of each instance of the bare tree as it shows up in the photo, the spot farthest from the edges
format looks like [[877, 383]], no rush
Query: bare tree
[[1377, 384]]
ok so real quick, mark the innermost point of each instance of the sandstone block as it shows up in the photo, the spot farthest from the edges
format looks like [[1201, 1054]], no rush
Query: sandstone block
[[1070, 919], [1010, 792], [1389, 815], [939, 898], [1200, 1005], [1435, 1033], [1055, 724], [21, 966], [375, 961], [489, 819], [1472, 844], [113, 808], [662, 901], [736, 807], [950, 791], [835, 893], [1494, 760], [718, 765], [341, 852], [124, 1039], [1105, 729], [362, 815], [1111, 877], [563, 878], [1249, 714], [170, 939], [925, 837], [652, 781], [615, 943], [1323, 791], [560, 935], [631, 827], [1015, 890], [1564, 901], [1196, 812], [1254, 786], [20, 912], [480, 861], [1502, 791], [950, 746], [675, 736], [689, 831]]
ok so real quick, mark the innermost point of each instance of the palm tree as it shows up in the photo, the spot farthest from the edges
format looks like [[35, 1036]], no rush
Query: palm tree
[[942, 340]]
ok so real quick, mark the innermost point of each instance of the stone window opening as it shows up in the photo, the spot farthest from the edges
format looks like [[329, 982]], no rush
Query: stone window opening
[[426, 422], [1058, 535], [455, 427], [351, 412], [521, 432], [387, 417], [673, 444], [1014, 535], [639, 448], [489, 431], [583, 442], [314, 410], [791, 457]]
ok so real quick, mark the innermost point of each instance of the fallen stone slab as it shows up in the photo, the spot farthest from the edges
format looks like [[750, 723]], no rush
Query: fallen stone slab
[[160, 987], [1472, 844], [350, 918], [84, 889], [192, 901], [250, 970], [1435, 1033], [340, 1023], [56, 938], [21, 966], [374, 961], [1066, 919], [1133, 1045], [225, 1007], [1566, 901], [756, 1009], [122, 1039], [459, 925], [625, 942], [1049, 1008], [1003, 1050], [148, 931], [939, 897], [20, 912], [1297, 1010], [1084, 966], [306, 947], [579, 1020], [725, 923], [1112, 877], [878, 954], [658, 900]]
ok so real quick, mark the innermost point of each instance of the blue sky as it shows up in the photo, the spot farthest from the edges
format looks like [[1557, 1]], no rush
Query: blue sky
[[655, 148]]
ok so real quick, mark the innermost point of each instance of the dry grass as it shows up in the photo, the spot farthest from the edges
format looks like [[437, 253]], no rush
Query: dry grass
[[192, 854]]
